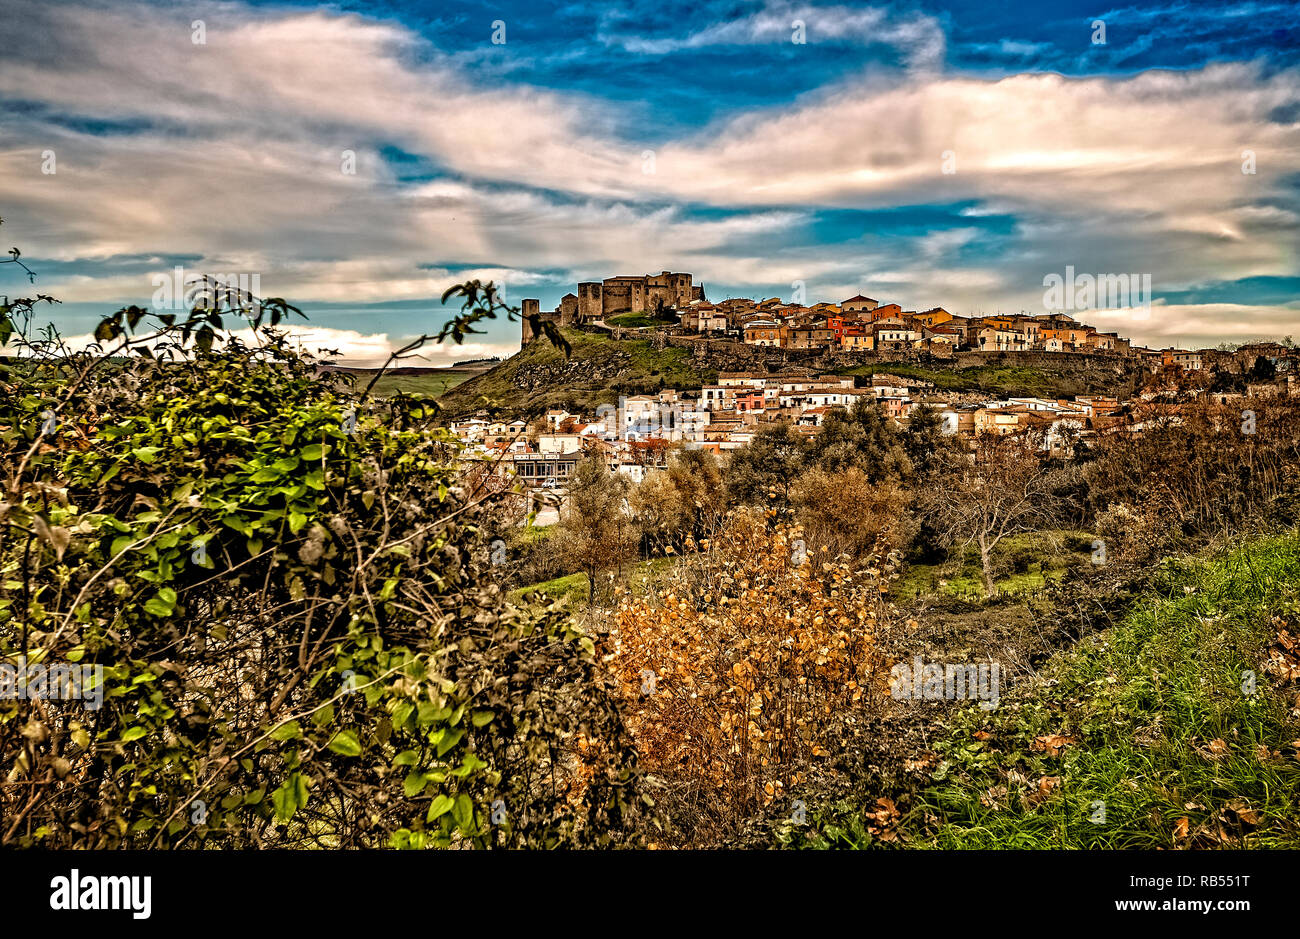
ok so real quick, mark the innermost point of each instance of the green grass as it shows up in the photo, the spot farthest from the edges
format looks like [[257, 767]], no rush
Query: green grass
[[1000, 380], [408, 380], [1143, 703], [635, 321], [638, 578], [434, 382], [571, 587], [1028, 561]]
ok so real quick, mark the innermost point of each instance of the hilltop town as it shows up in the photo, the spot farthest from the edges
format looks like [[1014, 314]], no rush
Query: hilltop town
[[673, 301], [634, 433]]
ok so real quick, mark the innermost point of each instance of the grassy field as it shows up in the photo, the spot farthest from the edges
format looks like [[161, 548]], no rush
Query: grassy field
[[637, 578], [1169, 730], [635, 321], [1022, 564]]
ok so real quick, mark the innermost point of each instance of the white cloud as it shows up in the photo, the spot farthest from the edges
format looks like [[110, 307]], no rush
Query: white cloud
[[237, 163], [355, 348], [918, 36]]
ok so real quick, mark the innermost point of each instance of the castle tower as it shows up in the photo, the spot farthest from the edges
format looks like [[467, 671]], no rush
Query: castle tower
[[528, 308], [568, 309], [590, 302]]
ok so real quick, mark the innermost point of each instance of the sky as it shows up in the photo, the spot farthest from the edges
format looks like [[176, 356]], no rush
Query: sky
[[360, 157]]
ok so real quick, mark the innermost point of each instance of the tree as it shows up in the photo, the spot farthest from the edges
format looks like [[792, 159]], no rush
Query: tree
[[1004, 490], [927, 446], [751, 667], [848, 516], [597, 530], [865, 437], [765, 470], [1263, 369], [684, 500], [701, 492]]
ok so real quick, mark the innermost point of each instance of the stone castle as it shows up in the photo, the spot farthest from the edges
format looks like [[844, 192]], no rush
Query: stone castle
[[597, 300]]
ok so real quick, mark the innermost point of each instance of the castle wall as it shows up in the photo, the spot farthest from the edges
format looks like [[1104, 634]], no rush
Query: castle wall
[[623, 295]]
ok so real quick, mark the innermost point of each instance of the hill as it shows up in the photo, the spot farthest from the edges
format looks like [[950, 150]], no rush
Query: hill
[[413, 379], [600, 368], [1173, 728]]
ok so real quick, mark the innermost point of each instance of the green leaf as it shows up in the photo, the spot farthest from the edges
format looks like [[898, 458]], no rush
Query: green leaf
[[449, 739], [285, 801], [133, 733], [146, 454], [414, 783], [159, 608], [441, 806], [345, 742], [289, 731], [463, 813], [312, 452]]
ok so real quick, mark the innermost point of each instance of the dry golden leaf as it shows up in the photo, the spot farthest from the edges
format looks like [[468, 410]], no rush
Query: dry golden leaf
[[1053, 744], [1243, 811], [1045, 786], [1181, 827], [1218, 747]]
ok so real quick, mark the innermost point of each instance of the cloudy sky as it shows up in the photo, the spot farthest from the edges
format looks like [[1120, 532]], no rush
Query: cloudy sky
[[360, 157]]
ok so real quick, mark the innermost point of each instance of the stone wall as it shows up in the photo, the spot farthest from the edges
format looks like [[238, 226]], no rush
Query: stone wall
[[1081, 372]]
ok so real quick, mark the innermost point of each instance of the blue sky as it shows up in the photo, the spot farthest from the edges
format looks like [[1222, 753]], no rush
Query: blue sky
[[928, 154]]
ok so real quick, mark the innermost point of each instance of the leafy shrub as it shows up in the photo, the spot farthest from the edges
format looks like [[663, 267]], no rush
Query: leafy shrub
[[301, 639]]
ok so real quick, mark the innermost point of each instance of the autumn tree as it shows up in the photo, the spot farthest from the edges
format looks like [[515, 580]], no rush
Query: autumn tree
[[684, 500], [746, 673], [848, 516]]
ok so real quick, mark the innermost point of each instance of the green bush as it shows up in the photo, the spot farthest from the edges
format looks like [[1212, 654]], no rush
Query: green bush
[[301, 638]]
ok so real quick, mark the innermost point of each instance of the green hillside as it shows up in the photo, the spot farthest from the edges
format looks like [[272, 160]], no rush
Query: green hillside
[[1062, 380], [599, 369], [1175, 728]]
